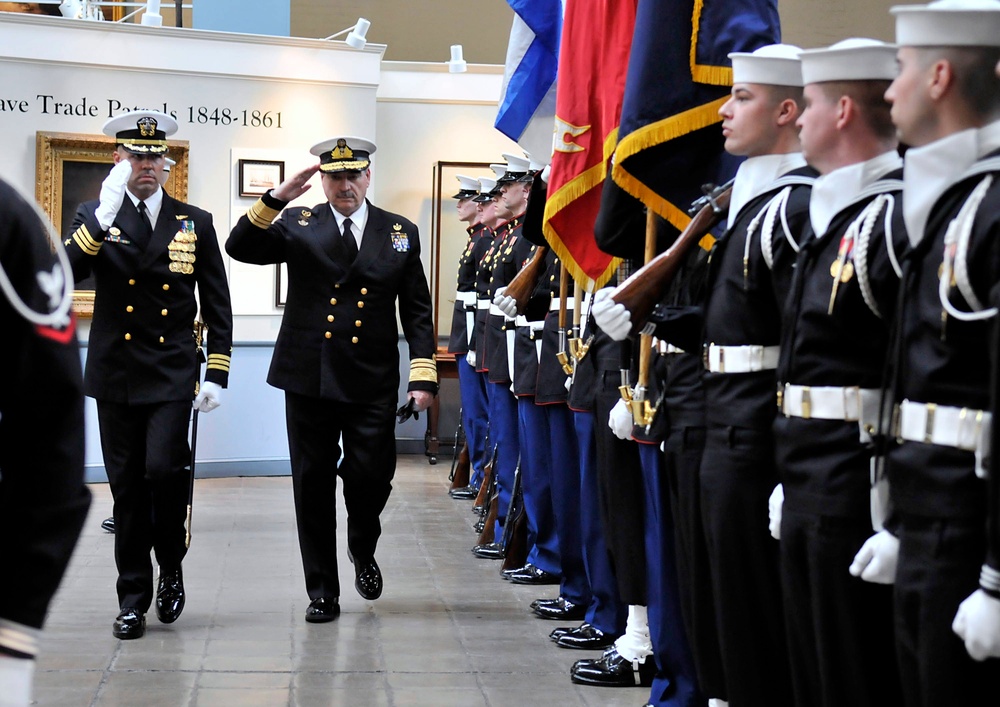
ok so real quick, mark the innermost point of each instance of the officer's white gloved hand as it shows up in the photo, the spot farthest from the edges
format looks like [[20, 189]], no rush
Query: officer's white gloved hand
[[507, 305], [774, 504], [877, 558], [545, 173], [612, 317], [470, 358], [209, 397], [620, 420], [978, 624], [113, 193]]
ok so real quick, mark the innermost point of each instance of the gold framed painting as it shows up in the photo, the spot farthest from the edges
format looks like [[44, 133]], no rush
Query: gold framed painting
[[69, 169]]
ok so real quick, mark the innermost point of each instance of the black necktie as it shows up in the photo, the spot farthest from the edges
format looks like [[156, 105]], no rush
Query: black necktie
[[144, 217], [350, 244]]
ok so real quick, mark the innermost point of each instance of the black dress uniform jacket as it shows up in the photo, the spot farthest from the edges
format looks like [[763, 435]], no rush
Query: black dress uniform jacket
[[338, 337], [475, 248], [43, 500], [513, 252], [141, 345]]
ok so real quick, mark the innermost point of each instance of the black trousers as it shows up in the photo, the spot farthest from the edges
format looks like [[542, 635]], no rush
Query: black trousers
[[315, 427], [939, 563], [619, 473], [737, 477], [682, 458], [146, 455], [840, 637]]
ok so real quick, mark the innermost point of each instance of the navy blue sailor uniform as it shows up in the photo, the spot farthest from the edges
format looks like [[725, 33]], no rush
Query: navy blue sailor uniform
[[143, 369], [337, 359], [942, 416], [43, 499], [834, 343], [472, 385]]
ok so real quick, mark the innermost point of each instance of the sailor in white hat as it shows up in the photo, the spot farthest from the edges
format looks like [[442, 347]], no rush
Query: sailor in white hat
[[946, 107], [833, 350]]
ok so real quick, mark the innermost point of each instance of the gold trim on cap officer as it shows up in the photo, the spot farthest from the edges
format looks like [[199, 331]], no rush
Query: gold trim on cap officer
[[141, 132], [347, 153]]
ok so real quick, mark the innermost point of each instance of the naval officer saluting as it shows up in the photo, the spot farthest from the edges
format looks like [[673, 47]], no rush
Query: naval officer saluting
[[336, 356]]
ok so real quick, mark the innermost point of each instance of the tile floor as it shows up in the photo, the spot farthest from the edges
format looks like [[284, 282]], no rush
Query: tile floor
[[446, 631]]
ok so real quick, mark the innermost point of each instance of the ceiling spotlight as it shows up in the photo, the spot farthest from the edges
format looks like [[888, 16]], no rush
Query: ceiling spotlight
[[457, 64], [356, 38]]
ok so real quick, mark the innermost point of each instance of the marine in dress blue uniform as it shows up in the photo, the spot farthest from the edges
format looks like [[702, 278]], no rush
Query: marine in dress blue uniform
[[336, 355]]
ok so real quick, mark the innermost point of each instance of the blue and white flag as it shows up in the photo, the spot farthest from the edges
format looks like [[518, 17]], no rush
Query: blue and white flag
[[528, 98]]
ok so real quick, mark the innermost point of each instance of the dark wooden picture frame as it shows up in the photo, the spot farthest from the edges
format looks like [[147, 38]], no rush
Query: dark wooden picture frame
[[69, 169], [256, 177]]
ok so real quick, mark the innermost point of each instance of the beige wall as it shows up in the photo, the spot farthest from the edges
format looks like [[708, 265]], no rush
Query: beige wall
[[816, 23]]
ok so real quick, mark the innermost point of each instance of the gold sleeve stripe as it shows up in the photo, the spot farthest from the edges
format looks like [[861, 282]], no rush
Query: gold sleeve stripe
[[219, 367], [219, 362], [18, 637], [423, 369], [86, 242], [261, 215]]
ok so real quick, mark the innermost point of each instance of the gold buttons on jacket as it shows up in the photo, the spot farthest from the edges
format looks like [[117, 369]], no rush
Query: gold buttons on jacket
[[357, 322], [328, 335], [131, 281], [364, 290], [336, 286], [333, 300], [361, 305], [354, 339], [129, 309], [165, 287], [329, 317], [161, 339], [128, 337], [163, 312]]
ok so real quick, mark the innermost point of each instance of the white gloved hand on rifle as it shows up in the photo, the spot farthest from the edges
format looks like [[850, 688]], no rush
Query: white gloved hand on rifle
[[876, 560], [774, 505], [507, 305], [613, 318], [620, 420], [977, 623], [209, 397], [113, 194], [470, 358]]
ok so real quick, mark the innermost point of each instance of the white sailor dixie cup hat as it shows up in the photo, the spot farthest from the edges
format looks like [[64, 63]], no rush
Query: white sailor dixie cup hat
[[340, 154], [487, 187], [141, 132], [948, 23], [854, 59], [773, 64], [468, 187]]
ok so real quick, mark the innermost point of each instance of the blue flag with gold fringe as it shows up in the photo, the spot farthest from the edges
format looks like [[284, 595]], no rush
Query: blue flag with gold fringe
[[670, 141]]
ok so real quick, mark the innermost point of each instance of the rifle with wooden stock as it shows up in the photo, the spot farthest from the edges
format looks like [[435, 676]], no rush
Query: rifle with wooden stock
[[523, 284], [641, 292], [461, 468]]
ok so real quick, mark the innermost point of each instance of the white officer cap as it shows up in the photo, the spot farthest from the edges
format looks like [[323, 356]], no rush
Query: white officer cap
[[141, 132], [168, 163], [487, 185], [773, 64], [342, 154], [855, 59], [499, 169], [948, 23], [468, 187]]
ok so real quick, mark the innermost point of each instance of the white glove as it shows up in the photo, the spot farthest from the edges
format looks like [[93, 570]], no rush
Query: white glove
[[877, 558], [113, 193], [978, 624], [613, 318], [507, 305], [620, 420], [470, 358], [545, 174], [209, 397], [774, 504]]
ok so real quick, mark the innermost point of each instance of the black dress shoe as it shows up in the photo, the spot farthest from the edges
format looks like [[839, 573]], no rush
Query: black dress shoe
[[534, 575], [556, 633], [130, 623], [585, 637], [545, 602], [561, 610], [368, 579], [169, 595], [464, 494], [323, 610], [507, 573], [612, 670], [108, 524], [489, 551]]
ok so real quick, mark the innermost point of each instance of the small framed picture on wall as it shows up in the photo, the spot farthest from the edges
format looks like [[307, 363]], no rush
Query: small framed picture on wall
[[258, 176]]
